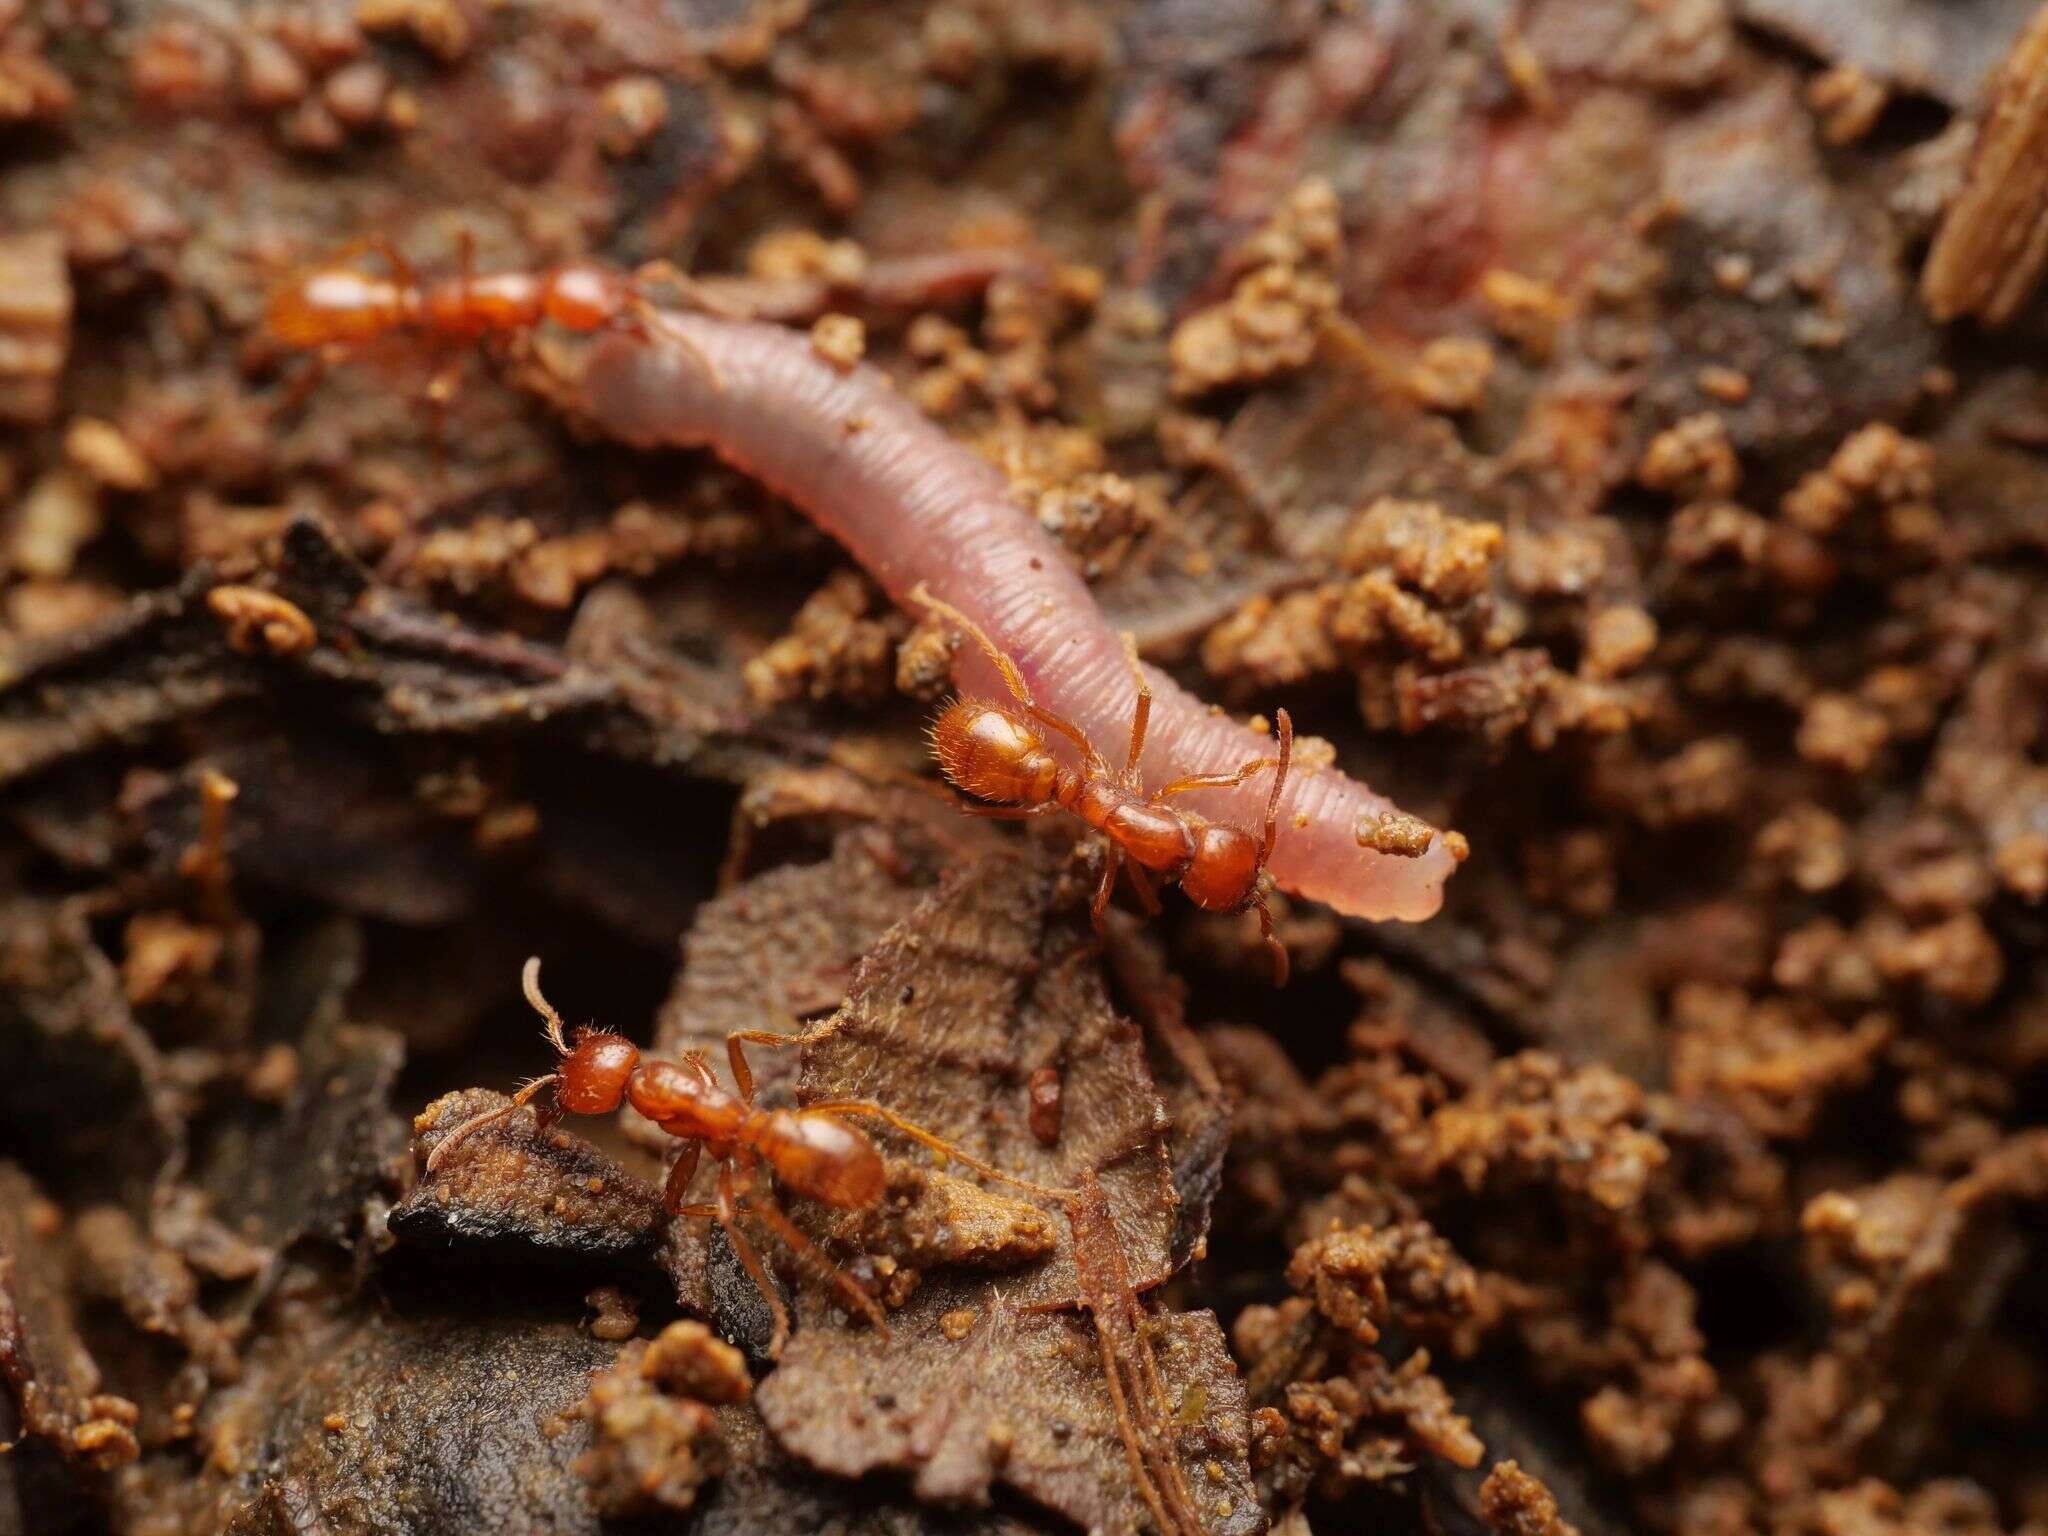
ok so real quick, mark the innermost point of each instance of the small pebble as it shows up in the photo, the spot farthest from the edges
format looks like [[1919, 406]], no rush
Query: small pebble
[[840, 340]]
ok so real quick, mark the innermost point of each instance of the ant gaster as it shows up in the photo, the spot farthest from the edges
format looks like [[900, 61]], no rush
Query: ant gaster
[[810, 1151], [995, 752]]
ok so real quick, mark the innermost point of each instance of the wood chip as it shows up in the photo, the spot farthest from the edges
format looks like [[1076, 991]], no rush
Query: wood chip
[[35, 325], [1993, 242]]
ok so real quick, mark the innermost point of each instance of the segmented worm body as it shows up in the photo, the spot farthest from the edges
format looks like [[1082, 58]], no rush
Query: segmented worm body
[[914, 506]]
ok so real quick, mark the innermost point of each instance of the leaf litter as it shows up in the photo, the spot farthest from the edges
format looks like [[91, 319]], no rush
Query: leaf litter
[[1115, 1417]]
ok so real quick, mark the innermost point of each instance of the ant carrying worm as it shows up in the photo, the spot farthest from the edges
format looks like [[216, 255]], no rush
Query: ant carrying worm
[[811, 1151], [998, 753]]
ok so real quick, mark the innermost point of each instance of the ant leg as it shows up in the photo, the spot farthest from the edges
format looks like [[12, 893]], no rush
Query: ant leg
[[921, 594], [679, 1177], [1252, 769], [1006, 812], [742, 1074], [934, 1141], [1141, 882], [1141, 716], [763, 1204], [302, 387], [1113, 860], [1280, 961], [401, 269], [440, 390], [696, 1062], [727, 1212], [701, 295], [653, 323], [1012, 678], [476, 1123]]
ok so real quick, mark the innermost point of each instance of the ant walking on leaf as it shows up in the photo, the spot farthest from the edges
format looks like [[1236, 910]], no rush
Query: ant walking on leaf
[[998, 753], [810, 1151]]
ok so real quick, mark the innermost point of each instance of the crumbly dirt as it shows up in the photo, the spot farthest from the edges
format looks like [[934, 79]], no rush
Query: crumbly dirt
[[1615, 430]]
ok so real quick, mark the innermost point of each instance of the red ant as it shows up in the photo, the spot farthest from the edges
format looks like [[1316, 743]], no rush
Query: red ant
[[336, 306], [997, 753], [812, 1150]]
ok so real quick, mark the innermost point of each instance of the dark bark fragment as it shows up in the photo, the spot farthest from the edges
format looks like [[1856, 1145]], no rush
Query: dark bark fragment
[[513, 1189], [313, 1166], [82, 1090], [1824, 328], [381, 1426]]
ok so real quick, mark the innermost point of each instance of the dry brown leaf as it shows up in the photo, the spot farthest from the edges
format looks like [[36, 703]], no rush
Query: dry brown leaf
[[783, 947], [947, 1021]]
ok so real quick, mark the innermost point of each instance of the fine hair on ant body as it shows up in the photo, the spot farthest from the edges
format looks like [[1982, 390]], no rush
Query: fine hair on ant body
[[999, 753], [811, 1151]]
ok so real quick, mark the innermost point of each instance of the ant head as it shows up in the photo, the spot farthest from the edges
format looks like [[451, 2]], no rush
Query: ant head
[[1225, 870], [592, 1078]]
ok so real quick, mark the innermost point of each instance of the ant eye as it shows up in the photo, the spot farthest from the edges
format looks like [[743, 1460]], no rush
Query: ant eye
[[593, 1076]]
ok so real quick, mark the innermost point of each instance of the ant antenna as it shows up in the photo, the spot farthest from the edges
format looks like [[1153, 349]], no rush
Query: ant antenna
[[529, 982]]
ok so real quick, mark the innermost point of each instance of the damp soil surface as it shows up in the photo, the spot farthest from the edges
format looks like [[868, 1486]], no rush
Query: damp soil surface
[[1612, 430]]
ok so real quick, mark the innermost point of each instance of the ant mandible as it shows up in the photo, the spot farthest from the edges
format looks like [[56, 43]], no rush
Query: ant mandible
[[997, 753], [811, 1151]]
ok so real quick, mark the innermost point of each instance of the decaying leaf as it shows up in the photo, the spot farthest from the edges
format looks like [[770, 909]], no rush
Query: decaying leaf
[[329, 814], [1742, 178], [766, 1493], [782, 947], [953, 1012], [969, 1393], [169, 656], [981, 1381], [116, 1261], [1199, 1110]]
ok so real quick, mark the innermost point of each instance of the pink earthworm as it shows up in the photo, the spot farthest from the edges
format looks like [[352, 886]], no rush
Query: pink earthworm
[[912, 505]]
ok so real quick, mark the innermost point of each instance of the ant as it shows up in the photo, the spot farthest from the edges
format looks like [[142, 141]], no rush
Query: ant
[[811, 1151], [336, 306], [997, 753]]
